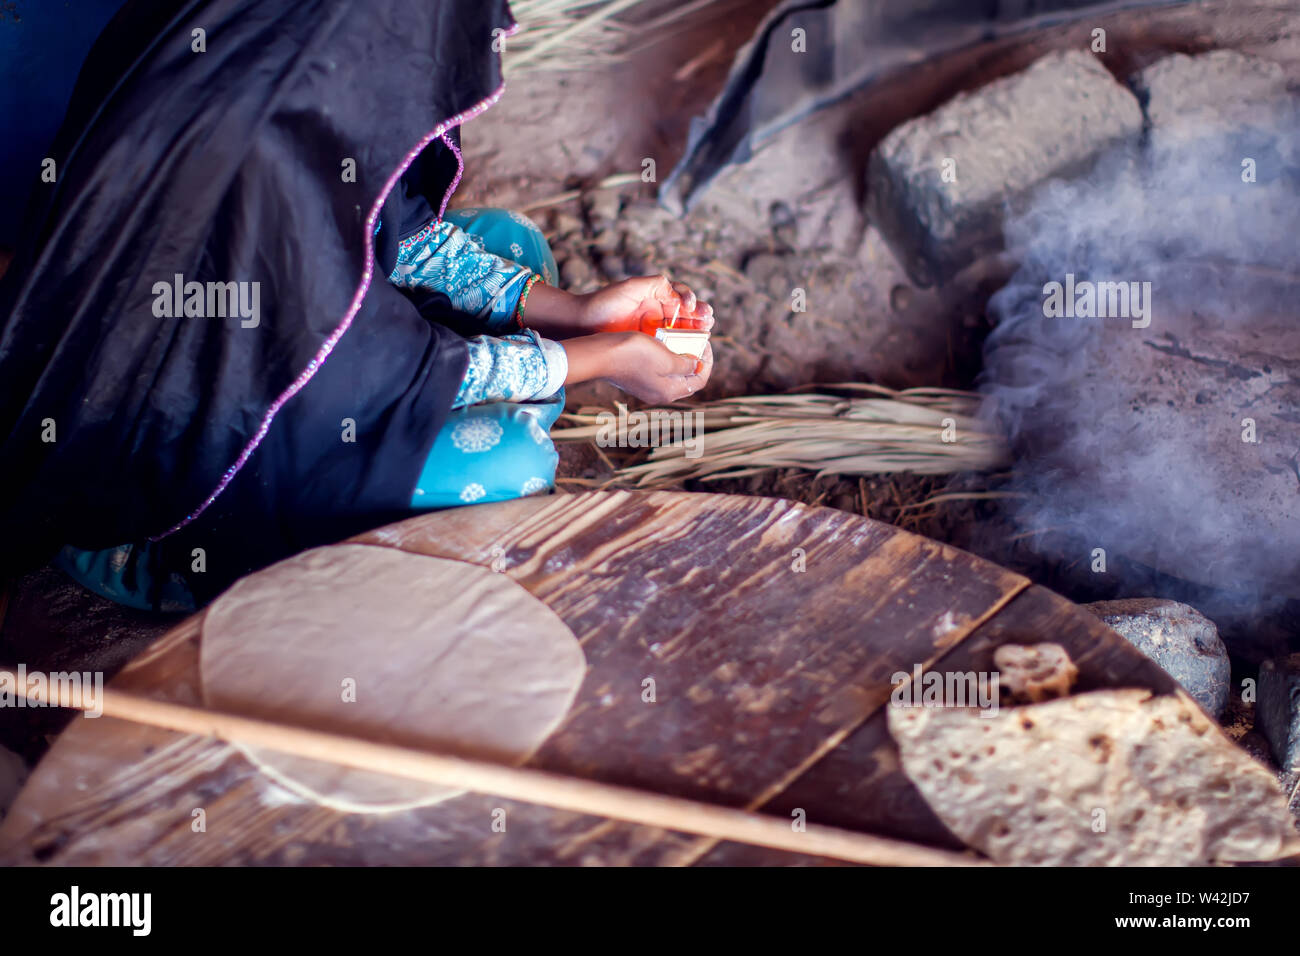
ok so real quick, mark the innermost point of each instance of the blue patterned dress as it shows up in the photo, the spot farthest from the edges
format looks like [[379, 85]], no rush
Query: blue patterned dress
[[496, 444]]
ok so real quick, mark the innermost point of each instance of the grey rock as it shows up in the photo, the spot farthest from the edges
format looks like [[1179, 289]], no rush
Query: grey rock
[[769, 273], [1182, 640], [900, 297], [576, 271], [1277, 709], [638, 259], [608, 241], [603, 205], [1005, 138], [567, 225], [785, 224], [644, 217], [1291, 787], [1220, 94]]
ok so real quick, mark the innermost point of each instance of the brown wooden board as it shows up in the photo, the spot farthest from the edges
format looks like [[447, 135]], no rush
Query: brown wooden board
[[769, 683]]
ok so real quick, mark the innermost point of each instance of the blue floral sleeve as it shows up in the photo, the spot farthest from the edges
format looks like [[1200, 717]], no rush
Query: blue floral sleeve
[[444, 257], [504, 366], [514, 368]]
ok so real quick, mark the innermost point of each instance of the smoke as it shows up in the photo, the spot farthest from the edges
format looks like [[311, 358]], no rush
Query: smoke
[[1174, 444]]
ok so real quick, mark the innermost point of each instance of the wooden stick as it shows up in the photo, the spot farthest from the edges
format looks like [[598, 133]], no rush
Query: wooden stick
[[691, 66], [530, 786]]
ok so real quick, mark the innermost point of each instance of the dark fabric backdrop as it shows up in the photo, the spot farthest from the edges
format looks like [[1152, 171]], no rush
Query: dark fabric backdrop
[[224, 166]]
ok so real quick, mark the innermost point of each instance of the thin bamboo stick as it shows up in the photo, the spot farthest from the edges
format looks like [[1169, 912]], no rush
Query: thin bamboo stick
[[530, 786]]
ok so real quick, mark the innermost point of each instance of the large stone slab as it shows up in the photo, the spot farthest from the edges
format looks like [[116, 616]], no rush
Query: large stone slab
[[1167, 433], [995, 143], [1222, 93]]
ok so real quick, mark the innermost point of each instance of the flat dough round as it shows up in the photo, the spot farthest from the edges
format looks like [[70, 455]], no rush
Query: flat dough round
[[443, 655]]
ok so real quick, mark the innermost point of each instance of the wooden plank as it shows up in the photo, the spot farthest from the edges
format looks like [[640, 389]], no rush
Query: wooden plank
[[764, 675], [860, 785]]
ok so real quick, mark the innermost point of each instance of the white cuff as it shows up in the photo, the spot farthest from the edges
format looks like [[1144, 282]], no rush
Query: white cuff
[[557, 364]]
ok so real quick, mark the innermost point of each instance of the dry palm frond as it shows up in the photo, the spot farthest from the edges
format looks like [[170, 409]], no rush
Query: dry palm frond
[[927, 431], [565, 34]]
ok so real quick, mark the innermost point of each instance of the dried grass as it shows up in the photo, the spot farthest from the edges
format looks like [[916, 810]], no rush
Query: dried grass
[[566, 34], [874, 431]]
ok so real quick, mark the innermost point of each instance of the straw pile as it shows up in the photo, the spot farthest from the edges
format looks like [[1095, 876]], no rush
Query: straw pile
[[926, 431], [565, 34]]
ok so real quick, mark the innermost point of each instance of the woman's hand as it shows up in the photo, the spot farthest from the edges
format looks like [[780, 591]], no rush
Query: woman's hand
[[643, 305], [633, 305], [638, 364]]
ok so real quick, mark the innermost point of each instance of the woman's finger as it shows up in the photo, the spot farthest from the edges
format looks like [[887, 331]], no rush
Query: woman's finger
[[687, 295], [669, 299], [703, 321], [699, 376], [684, 365], [696, 314]]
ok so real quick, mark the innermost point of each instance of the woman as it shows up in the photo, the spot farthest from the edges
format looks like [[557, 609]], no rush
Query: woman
[[497, 270], [395, 356]]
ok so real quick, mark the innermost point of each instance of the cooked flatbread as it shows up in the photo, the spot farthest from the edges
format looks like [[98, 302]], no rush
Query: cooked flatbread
[[1118, 777], [439, 655]]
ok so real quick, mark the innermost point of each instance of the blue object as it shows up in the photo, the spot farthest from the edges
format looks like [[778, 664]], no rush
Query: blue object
[[499, 450], [42, 46], [129, 575], [510, 235]]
